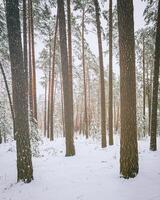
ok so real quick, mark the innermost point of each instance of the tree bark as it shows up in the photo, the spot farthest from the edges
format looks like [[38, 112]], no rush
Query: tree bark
[[110, 77], [128, 141], [45, 107], [49, 91], [20, 93], [153, 141], [52, 81], [144, 89], [33, 68], [70, 50], [30, 61], [67, 91], [84, 79], [102, 85]]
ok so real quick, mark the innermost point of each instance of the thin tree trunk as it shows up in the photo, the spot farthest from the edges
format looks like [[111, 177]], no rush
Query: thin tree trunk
[[49, 91], [149, 91], [52, 81], [110, 115], [84, 80], [117, 119], [45, 107], [144, 89], [102, 85], [30, 60], [62, 103], [153, 141], [128, 142], [34, 95]]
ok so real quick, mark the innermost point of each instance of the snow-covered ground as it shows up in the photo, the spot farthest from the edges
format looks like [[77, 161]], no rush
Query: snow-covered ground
[[93, 174]]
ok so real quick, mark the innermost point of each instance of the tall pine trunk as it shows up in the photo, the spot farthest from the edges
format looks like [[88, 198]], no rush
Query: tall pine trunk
[[52, 81], [86, 131], [70, 51], [45, 106], [102, 85], [110, 114], [128, 141], [67, 91], [32, 60], [20, 93], [153, 141], [144, 90], [49, 91]]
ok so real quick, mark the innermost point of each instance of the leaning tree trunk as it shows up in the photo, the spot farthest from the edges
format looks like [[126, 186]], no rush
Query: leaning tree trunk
[[102, 85], [128, 142], [153, 141], [110, 114], [20, 93], [67, 92], [10, 100]]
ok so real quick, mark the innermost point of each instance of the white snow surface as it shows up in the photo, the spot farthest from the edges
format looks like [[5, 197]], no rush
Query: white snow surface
[[93, 174]]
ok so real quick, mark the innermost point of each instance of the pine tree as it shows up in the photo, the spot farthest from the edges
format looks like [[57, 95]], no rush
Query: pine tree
[[102, 83], [32, 73], [153, 142], [52, 81], [110, 114], [67, 92], [128, 141], [20, 97]]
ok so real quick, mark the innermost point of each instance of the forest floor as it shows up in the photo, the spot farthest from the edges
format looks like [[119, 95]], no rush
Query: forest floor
[[93, 174]]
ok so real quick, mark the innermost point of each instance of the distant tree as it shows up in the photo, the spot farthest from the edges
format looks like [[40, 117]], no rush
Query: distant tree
[[145, 40], [102, 82], [85, 7], [128, 141], [20, 93], [52, 81]]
